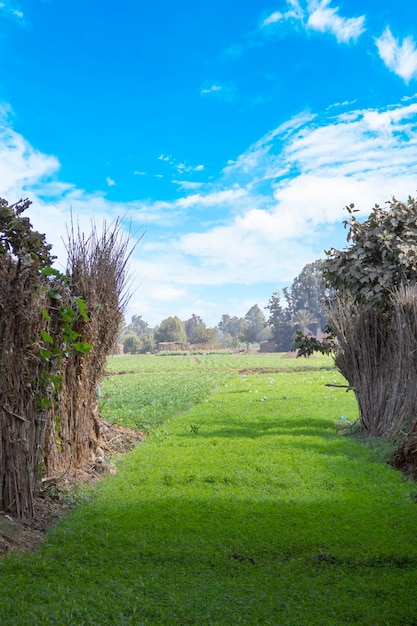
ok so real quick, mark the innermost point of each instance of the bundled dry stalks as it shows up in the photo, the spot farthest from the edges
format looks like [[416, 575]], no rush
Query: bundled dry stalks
[[405, 456], [21, 421], [24, 383], [97, 266], [48, 377], [377, 354]]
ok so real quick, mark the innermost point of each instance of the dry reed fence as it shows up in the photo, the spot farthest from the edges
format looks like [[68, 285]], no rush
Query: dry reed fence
[[97, 266], [376, 352], [48, 405], [22, 420]]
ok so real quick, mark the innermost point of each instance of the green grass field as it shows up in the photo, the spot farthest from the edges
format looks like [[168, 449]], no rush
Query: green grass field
[[247, 507]]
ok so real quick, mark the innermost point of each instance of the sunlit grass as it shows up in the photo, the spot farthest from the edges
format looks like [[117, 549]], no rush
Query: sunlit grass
[[250, 509], [149, 388]]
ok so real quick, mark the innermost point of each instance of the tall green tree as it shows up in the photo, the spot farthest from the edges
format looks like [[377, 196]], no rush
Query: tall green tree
[[253, 328], [171, 329], [230, 325], [279, 323], [308, 292], [138, 326], [202, 334], [191, 323]]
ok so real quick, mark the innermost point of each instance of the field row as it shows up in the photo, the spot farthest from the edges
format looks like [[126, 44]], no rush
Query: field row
[[226, 361], [143, 395]]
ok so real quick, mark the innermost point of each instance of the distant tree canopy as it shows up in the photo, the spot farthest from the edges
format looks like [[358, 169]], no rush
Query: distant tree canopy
[[307, 292], [203, 335], [279, 324], [138, 326], [303, 308], [191, 323], [170, 329], [299, 307], [231, 325], [252, 329]]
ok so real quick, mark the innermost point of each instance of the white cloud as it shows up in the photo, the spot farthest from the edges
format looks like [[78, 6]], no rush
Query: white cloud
[[319, 16], [272, 210], [324, 18], [294, 11], [275, 17], [399, 57], [180, 167], [364, 159], [212, 89], [225, 92], [216, 198], [187, 184], [7, 7], [183, 167], [110, 182]]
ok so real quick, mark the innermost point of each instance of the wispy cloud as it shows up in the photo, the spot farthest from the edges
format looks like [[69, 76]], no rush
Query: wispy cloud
[[12, 10], [180, 167], [271, 210], [324, 18], [293, 12], [226, 92], [183, 167], [186, 185], [319, 16], [399, 56], [363, 158], [211, 89], [110, 182]]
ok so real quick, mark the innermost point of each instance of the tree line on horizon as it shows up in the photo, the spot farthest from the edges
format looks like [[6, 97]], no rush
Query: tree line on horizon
[[298, 308]]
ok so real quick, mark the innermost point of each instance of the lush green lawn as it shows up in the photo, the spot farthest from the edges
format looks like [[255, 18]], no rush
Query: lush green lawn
[[248, 508]]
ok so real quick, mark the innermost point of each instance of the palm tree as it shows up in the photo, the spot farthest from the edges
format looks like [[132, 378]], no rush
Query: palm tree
[[303, 319]]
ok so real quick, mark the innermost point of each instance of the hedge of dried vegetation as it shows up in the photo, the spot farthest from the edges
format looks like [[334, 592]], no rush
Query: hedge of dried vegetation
[[55, 333]]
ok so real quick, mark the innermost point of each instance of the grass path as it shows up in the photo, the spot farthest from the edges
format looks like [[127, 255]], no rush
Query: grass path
[[248, 508]]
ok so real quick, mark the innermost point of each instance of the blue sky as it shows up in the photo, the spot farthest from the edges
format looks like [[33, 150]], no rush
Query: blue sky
[[232, 133]]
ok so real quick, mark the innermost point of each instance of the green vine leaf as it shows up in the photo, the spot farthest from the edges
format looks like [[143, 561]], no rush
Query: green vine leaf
[[82, 346], [47, 337]]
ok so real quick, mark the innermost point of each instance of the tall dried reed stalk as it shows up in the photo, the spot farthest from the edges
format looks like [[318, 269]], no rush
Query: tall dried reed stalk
[[97, 266]]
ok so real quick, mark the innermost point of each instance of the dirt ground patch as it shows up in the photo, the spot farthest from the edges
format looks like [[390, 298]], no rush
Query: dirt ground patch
[[58, 493]]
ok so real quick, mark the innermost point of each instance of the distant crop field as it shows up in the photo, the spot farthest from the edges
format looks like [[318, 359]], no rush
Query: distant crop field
[[219, 362], [143, 391]]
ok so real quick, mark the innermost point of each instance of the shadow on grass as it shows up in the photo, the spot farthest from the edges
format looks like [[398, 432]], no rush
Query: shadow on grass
[[218, 560], [251, 430]]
